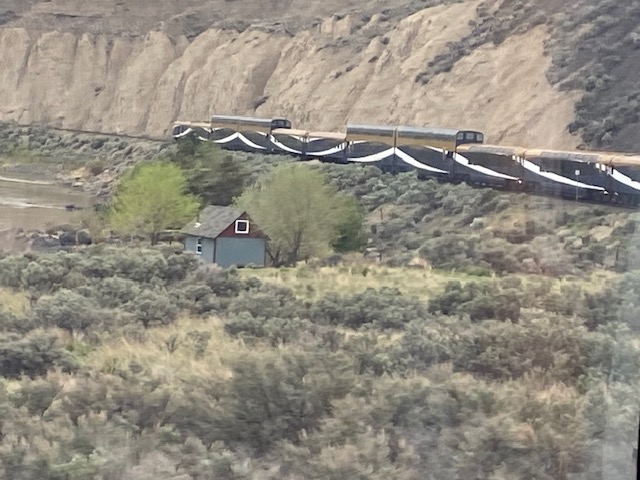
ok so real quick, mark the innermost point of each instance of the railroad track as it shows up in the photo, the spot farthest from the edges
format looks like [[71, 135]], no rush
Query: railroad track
[[149, 138]]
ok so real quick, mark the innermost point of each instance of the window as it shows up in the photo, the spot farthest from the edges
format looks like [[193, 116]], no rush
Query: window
[[242, 226], [199, 245]]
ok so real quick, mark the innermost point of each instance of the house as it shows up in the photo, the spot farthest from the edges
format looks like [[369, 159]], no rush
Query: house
[[226, 236]]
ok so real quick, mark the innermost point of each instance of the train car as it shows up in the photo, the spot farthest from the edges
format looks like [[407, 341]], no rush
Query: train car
[[375, 145], [624, 172], [245, 124], [505, 160], [290, 141], [442, 138], [432, 152], [427, 162], [327, 146], [485, 165], [200, 130], [248, 134], [495, 157], [547, 172], [575, 175]]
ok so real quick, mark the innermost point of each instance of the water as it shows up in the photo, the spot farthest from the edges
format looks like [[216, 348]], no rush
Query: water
[[37, 204]]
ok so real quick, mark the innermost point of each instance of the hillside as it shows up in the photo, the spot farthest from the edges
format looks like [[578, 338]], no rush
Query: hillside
[[496, 338], [512, 69]]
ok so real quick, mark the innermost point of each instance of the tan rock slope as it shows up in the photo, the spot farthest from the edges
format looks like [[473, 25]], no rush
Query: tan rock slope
[[101, 66]]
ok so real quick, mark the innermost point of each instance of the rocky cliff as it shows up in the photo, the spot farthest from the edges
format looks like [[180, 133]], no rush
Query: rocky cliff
[[136, 67]]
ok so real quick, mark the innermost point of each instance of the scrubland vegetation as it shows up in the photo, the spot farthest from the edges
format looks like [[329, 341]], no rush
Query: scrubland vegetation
[[595, 49], [483, 335], [138, 363]]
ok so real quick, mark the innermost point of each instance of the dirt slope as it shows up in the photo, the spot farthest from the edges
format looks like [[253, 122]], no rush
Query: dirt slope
[[105, 66]]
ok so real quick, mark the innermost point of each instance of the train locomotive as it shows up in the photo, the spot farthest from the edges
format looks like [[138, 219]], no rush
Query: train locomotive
[[447, 155]]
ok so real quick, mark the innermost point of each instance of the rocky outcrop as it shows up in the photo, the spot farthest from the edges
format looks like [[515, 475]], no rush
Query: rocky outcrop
[[321, 73], [63, 237]]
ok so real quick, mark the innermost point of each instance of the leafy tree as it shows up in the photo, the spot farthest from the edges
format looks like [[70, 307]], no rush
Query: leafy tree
[[153, 198], [298, 210], [215, 177], [351, 235], [188, 146]]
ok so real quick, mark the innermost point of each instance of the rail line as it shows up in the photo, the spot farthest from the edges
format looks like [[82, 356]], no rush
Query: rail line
[[97, 133]]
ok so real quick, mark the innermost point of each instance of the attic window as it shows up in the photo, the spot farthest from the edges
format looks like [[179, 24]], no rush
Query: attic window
[[242, 226]]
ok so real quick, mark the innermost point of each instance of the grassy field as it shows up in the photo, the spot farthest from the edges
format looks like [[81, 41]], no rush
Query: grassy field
[[170, 352], [422, 282]]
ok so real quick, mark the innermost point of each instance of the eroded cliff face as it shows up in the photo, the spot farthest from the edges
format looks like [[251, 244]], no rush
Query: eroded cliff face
[[321, 74]]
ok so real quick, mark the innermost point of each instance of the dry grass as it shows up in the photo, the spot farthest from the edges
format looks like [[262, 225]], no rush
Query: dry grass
[[310, 283], [168, 353], [14, 302], [595, 282]]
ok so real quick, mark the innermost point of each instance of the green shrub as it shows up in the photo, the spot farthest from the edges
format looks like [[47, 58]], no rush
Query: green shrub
[[33, 354], [67, 310], [383, 309], [152, 307]]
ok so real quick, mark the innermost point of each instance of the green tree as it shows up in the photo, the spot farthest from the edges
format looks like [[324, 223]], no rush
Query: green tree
[[351, 236], [217, 178], [151, 199], [188, 146], [298, 210]]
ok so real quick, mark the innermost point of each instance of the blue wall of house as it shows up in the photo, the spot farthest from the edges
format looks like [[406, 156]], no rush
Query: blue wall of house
[[240, 251], [208, 247]]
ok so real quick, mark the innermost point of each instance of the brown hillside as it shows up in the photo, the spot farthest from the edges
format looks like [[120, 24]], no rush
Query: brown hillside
[[116, 67]]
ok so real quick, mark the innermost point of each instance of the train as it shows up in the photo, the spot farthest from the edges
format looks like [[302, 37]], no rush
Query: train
[[443, 154]]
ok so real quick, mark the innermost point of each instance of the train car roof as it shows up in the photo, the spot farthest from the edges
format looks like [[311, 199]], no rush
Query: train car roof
[[575, 156], [249, 120], [290, 131], [428, 132], [622, 160], [330, 135], [305, 133], [234, 118], [193, 124], [370, 129], [492, 149]]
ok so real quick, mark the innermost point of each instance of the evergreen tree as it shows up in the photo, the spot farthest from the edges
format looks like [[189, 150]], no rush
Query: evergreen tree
[[217, 178]]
